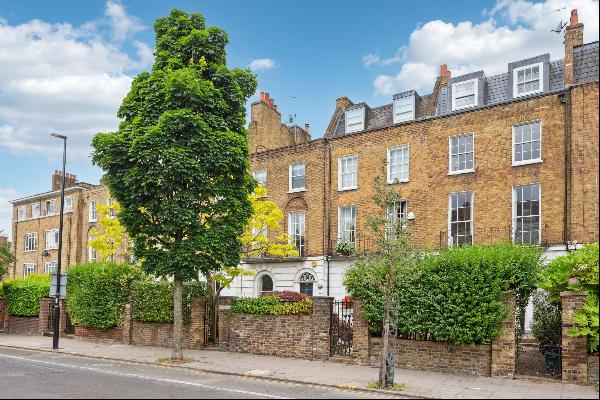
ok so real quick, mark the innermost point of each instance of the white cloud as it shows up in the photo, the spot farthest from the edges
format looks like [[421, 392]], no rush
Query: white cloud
[[121, 23], [515, 29], [375, 59], [57, 77], [262, 64], [6, 195]]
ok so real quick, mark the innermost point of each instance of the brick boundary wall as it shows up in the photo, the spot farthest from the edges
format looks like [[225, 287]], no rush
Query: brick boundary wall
[[3, 314], [23, 325], [299, 336], [592, 370], [574, 349], [437, 356], [504, 356], [97, 334]]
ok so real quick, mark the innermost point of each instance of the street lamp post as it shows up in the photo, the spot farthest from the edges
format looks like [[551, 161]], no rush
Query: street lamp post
[[56, 318]]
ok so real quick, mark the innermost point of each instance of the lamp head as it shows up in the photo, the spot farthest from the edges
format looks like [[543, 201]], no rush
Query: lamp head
[[56, 135]]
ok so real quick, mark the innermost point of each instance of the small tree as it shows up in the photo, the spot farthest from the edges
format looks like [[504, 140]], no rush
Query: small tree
[[108, 242], [392, 253], [7, 257], [178, 165]]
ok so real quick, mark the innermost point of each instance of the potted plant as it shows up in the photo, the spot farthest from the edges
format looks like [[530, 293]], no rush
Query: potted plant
[[344, 248]]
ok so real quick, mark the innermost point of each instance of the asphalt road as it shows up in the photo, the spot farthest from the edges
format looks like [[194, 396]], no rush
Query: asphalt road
[[29, 374]]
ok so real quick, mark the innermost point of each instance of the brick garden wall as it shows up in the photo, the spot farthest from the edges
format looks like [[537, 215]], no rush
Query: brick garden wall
[[23, 325], [300, 336], [102, 335], [592, 369], [437, 356]]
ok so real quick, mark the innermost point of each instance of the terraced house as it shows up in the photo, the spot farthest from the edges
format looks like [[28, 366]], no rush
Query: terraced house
[[480, 159], [35, 227]]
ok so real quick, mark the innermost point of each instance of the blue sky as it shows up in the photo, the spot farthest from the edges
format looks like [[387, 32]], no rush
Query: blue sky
[[66, 65]]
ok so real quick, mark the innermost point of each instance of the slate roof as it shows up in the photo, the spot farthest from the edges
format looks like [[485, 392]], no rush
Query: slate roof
[[496, 90], [585, 63]]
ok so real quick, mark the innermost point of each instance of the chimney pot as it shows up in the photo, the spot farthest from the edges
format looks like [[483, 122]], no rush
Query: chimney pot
[[306, 127], [444, 71], [574, 17]]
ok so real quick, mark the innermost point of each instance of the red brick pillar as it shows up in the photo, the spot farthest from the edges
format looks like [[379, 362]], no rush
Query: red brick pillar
[[360, 333], [44, 315], [321, 327], [224, 306], [3, 314], [127, 324], [504, 347], [63, 318], [574, 349], [198, 305]]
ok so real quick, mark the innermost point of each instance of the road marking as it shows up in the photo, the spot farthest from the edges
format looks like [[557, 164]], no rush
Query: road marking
[[178, 382]]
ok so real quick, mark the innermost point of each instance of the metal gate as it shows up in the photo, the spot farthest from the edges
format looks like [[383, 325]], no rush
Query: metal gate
[[341, 328], [211, 324]]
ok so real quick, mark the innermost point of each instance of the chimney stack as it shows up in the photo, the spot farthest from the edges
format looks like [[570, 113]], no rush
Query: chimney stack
[[70, 180], [306, 128], [445, 74], [573, 38], [264, 98]]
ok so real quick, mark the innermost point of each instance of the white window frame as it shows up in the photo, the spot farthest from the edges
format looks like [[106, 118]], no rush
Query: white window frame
[[397, 116], [258, 281], [290, 180], [264, 171], [53, 233], [28, 268], [354, 173], [514, 211], [514, 144], [470, 220], [355, 126], [50, 267], [475, 82], [540, 89], [341, 224], [21, 213], [93, 211], [301, 245], [92, 253], [35, 210], [52, 207], [34, 244], [406, 157], [392, 217], [460, 171], [68, 204]]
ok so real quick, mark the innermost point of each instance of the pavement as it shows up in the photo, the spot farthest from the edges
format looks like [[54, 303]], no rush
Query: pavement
[[317, 373]]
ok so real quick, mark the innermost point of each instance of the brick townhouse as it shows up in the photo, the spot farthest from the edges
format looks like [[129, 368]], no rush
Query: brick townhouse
[[481, 159], [35, 225]]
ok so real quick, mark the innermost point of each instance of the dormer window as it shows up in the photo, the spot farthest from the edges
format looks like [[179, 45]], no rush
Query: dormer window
[[464, 94], [355, 120], [528, 79], [404, 108]]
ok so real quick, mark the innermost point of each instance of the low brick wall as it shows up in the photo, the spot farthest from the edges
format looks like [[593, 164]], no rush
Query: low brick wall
[[592, 369], [160, 335], [23, 325], [300, 336], [104, 335], [437, 356]]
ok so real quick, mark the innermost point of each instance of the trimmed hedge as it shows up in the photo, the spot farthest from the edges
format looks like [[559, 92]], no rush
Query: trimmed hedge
[[97, 293], [270, 305], [23, 295], [152, 301], [454, 296]]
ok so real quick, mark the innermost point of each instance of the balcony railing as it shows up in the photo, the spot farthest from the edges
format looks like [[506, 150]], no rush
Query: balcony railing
[[262, 255], [492, 235], [361, 244]]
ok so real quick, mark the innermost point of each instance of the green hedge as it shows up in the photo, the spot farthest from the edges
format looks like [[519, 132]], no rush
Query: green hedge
[[454, 296], [23, 295], [152, 301], [270, 305], [97, 293]]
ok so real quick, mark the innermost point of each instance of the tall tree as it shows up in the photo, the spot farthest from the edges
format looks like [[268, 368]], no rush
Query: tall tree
[[178, 165]]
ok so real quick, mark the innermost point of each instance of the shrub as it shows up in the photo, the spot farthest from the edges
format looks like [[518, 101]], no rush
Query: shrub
[[286, 295], [152, 301], [270, 305], [23, 295], [547, 321], [454, 296], [97, 293], [582, 265]]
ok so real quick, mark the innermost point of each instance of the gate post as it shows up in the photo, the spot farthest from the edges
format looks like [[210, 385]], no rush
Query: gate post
[[574, 349], [45, 315], [322, 310], [63, 318], [360, 332], [197, 322], [127, 324], [504, 347], [223, 324]]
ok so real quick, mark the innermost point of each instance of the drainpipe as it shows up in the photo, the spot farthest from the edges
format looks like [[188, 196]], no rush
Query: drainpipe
[[328, 211], [565, 100]]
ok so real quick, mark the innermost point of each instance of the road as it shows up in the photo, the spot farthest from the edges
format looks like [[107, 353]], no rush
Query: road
[[29, 374]]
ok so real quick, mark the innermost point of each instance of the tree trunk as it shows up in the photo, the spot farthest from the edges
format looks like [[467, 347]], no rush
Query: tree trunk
[[177, 320], [386, 332]]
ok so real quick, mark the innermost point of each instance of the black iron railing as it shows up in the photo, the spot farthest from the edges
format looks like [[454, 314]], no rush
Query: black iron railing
[[361, 244], [211, 324], [341, 331]]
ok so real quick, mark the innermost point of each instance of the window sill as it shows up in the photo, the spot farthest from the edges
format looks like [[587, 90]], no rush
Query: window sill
[[398, 181], [517, 95], [528, 162], [466, 171], [347, 189], [297, 190]]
